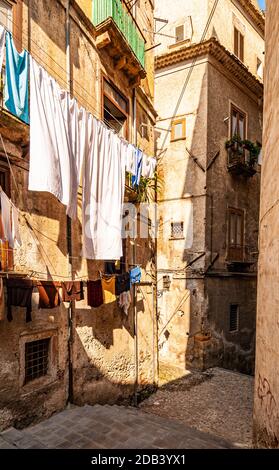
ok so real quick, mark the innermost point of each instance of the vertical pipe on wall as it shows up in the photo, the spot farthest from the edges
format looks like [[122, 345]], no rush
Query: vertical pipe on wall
[[155, 287], [133, 262], [69, 223]]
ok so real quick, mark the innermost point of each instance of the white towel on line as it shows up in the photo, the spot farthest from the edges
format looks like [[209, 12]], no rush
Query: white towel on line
[[148, 166], [10, 221], [55, 127], [103, 194]]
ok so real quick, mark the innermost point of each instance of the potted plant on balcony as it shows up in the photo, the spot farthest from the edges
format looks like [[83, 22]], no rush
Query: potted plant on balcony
[[235, 144], [254, 151]]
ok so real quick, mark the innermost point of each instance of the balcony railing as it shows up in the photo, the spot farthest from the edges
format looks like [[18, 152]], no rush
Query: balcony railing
[[104, 9], [241, 159]]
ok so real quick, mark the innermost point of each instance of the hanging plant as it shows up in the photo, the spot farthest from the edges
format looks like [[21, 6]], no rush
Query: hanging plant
[[254, 150], [239, 145]]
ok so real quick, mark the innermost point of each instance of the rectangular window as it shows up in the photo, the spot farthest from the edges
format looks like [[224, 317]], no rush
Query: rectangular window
[[236, 235], [143, 123], [234, 318], [239, 44], [166, 282], [238, 122], [36, 359], [177, 230], [178, 129], [115, 109], [179, 33]]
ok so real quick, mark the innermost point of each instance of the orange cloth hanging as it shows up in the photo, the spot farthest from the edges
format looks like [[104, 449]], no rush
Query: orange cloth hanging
[[108, 287]]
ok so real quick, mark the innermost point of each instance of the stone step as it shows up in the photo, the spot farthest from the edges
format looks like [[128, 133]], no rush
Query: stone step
[[109, 427]]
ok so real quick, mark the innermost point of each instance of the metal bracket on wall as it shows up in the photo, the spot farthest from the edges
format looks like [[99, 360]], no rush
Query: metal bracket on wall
[[213, 160], [195, 160], [212, 263]]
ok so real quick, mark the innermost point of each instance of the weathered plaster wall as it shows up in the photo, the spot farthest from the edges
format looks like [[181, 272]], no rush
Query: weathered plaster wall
[[181, 198], [228, 14], [266, 416], [104, 348], [171, 10], [228, 190], [232, 350], [202, 95]]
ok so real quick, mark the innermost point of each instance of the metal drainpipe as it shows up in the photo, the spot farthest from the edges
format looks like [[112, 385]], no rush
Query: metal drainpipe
[[155, 298], [133, 262], [69, 224]]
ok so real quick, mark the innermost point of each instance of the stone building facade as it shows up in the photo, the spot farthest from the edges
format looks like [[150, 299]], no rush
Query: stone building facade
[[208, 89], [94, 355], [266, 409]]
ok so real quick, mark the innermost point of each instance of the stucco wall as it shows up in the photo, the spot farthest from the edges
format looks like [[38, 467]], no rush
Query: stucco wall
[[230, 14], [106, 358], [181, 198], [227, 14], [171, 10], [232, 350], [266, 416], [230, 190], [202, 95]]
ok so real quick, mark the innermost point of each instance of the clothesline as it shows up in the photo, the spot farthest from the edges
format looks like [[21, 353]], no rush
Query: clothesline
[[73, 144], [64, 70], [101, 291], [91, 106]]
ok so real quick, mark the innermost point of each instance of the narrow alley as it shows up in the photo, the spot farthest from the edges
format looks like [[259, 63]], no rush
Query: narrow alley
[[190, 413], [139, 209]]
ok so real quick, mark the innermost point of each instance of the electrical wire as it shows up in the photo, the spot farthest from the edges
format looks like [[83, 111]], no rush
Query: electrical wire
[[187, 80]]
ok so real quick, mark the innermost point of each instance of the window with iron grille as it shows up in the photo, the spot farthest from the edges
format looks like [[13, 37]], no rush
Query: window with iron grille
[[166, 282], [177, 229], [36, 359], [234, 317]]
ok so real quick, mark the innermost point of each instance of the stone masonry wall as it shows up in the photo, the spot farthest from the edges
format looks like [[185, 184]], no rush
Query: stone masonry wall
[[107, 361]]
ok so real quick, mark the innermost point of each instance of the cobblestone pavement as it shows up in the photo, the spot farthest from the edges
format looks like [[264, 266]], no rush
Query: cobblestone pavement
[[109, 427], [218, 401]]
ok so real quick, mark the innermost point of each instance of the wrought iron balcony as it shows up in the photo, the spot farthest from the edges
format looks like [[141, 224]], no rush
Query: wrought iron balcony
[[119, 33], [241, 160]]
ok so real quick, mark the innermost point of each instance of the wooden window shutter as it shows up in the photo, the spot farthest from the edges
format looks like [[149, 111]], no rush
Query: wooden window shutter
[[236, 41], [241, 47]]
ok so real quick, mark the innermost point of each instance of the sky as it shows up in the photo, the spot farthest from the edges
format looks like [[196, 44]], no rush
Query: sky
[[262, 4]]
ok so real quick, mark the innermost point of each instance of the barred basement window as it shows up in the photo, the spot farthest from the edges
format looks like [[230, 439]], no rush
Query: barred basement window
[[36, 359], [234, 317], [177, 229]]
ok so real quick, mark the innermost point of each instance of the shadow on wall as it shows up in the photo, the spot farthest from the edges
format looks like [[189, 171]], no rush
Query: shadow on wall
[[49, 16]]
